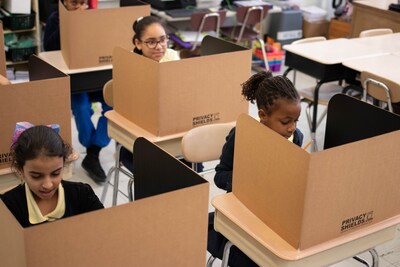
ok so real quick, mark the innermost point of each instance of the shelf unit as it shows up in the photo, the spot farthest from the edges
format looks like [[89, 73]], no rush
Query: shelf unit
[[35, 32]]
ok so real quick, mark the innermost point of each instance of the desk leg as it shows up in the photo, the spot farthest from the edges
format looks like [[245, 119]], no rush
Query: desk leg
[[287, 72], [314, 122], [106, 184], [116, 175], [225, 258]]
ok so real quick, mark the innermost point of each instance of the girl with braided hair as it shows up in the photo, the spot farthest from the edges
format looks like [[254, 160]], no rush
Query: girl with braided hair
[[279, 109]]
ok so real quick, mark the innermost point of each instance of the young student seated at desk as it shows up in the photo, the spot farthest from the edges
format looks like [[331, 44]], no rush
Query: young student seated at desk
[[151, 41], [39, 155], [279, 109], [93, 139]]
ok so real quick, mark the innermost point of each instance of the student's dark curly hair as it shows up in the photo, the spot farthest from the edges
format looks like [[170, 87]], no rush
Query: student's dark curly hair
[[265, 89], [140, 26], [36, 141]]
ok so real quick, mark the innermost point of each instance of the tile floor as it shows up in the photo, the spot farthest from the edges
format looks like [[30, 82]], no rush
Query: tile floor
[[389, 252]]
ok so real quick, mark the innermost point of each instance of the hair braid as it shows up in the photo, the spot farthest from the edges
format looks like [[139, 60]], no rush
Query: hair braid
[[265, 90]]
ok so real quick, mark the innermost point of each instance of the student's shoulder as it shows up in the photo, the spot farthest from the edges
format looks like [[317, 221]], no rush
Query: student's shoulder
[[13, 192], [76, 187], [172, 55], [14, 197]]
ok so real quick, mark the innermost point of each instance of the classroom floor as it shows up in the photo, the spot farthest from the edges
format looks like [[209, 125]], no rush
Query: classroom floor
[[389, 252]]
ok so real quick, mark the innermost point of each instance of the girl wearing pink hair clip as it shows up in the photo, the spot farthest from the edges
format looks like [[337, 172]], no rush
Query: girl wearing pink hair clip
[[38, 157]]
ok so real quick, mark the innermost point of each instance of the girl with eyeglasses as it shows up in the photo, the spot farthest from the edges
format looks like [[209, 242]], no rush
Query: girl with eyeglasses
[[151, 40]]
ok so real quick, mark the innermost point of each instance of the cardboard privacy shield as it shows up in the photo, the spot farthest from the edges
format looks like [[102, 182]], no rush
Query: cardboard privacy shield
[[167, 229], [45, 99], [2, 52], [88, 37], [349, 119], [173, 97], [308, 199]]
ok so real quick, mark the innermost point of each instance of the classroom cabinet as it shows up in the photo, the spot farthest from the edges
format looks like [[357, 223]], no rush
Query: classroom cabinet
[[22, 35]]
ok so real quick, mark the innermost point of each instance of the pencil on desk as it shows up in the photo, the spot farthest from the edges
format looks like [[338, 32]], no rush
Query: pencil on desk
[[308, 144]]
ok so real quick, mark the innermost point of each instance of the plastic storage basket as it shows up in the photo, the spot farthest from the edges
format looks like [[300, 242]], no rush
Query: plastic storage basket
[[17, 22]]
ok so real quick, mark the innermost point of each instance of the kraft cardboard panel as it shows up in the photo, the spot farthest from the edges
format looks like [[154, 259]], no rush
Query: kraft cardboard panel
[[88, 37], [309, 199], [350, 187], [2, 52], [172, 97], [43, 100], [153, 231], [349, 120], [270, 177], [12, 252]]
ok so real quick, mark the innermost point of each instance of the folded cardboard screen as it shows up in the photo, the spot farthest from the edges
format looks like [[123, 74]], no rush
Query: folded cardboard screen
[[88, 37], [2, 52], [307, 198], [349, 120], [173, 97], [153, 231], [45, 99]]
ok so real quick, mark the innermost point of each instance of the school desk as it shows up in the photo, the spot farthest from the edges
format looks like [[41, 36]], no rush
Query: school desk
[[385, 66], [84, 79], [323, 60], [126, 132], [259, 242]]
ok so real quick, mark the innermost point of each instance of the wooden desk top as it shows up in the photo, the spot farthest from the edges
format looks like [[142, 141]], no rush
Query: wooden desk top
[[386, 66], [335, 51], [265, 247], [125, 132], [380, 4], [56, 59]]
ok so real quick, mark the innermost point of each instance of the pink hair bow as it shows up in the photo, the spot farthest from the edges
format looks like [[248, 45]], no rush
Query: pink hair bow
[[20, 127]]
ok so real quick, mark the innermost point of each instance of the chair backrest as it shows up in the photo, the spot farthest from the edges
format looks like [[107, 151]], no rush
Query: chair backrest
[[310, 40], [108, 93], [380, 88], [254, 14], [374, 32], [204, 143], [207, 21]]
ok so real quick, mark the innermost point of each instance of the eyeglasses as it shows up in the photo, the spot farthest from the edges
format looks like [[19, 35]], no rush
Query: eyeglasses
[[152, 43]]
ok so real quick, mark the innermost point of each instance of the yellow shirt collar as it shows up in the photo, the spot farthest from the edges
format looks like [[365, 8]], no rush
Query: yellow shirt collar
[[35, 215]]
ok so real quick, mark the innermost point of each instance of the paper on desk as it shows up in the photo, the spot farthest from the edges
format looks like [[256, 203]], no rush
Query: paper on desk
[[190, 36]]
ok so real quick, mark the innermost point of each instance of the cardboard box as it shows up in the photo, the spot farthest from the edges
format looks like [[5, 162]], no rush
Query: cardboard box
[[168, 229], [2, 52], [89, 37], [45, 99], [315, 28], [173, 97], [308, 199], [17, 6]]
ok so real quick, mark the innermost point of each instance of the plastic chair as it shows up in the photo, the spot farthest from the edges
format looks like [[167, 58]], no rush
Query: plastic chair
[[202, 22], [374, 32], [206, 21], [247, 18], [204, 143], [119, 166], [380, 89], [303, 41], [326, 91]]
